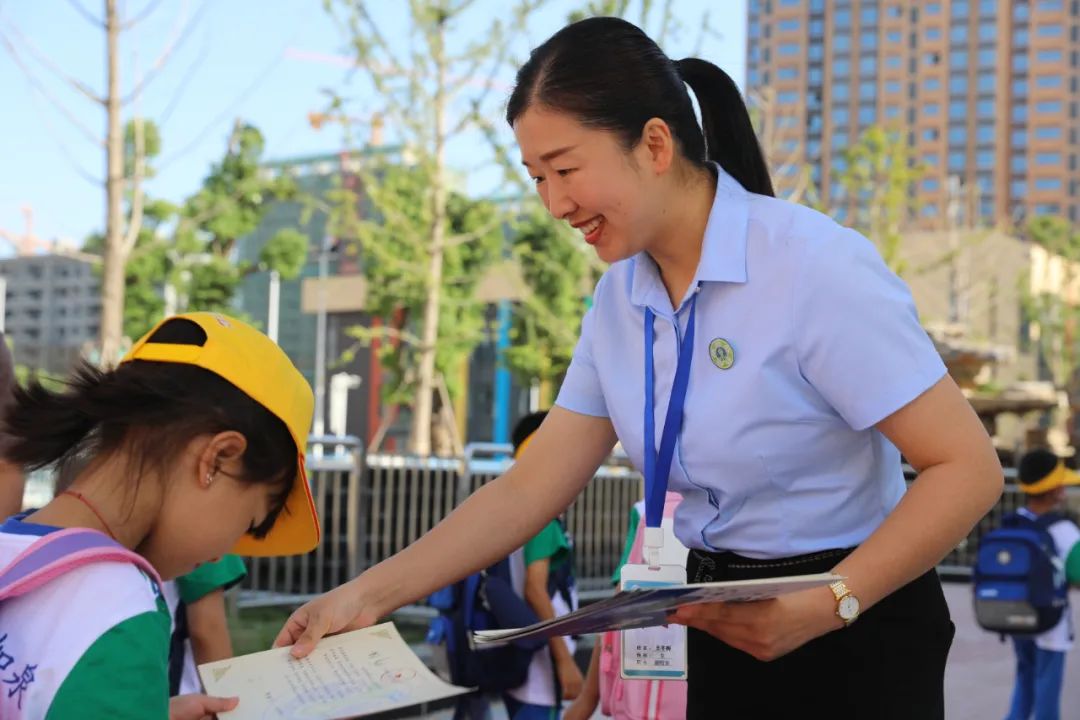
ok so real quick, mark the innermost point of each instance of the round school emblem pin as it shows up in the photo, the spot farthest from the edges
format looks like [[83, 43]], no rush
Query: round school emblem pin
[[721, 353]]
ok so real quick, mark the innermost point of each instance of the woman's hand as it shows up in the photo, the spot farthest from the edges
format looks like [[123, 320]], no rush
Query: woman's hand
[[570, 678], [346, 607], [199, 707], [582, 708], [766, 629]]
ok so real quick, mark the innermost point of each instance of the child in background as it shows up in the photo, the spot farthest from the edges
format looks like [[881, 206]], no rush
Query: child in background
[[194, 447], [554, 675], [1040, 660]]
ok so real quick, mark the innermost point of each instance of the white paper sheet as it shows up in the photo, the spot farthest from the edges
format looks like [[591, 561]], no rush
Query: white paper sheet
[[357, 673]]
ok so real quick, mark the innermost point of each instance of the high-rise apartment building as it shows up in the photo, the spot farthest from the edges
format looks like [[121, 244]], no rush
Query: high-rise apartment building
[[983, 92]]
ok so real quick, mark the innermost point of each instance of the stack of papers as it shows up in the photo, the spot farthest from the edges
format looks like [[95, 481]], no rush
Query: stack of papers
[[357, 673], [639, 608]]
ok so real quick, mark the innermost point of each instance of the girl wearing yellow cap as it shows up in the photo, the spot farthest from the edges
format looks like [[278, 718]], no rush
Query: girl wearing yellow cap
[[185, 461]]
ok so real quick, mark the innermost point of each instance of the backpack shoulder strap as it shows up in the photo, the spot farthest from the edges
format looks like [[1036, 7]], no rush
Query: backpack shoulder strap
[[58, 552]]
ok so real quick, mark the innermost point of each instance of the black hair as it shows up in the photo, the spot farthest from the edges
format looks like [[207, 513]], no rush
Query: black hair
[[610, 75], [1035, 466], [151, 410], [525, 427]]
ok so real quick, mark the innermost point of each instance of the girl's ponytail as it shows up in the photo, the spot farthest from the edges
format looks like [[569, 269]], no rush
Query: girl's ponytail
[[730, 140]]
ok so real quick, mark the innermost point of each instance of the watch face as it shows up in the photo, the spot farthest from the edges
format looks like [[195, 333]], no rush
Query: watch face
[[849, 607]]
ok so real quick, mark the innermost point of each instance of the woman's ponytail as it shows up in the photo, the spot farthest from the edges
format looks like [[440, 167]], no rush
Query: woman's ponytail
[[729, 135]]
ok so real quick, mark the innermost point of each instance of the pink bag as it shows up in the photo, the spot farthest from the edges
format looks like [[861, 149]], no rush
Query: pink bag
[[638, 699]]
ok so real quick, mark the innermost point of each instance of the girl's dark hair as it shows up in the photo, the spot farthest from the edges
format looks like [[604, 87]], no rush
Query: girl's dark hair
[[151, 410], [610, 75]]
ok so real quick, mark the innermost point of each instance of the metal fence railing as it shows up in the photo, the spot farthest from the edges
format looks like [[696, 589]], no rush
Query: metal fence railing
[[374, 505]]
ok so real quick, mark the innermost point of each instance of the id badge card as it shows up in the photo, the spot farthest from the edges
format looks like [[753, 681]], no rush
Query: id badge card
[[655, 653]]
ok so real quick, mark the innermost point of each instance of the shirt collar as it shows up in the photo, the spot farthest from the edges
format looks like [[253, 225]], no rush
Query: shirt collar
[[723, 249]]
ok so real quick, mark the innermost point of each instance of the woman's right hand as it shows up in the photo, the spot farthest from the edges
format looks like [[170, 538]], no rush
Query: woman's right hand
[[570, 678], [343, 608], [582, 708]]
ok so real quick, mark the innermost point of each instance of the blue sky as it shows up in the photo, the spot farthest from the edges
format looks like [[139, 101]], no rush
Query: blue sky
[[265, 61]]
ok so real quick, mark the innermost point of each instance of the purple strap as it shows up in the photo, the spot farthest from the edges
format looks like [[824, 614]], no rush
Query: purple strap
[[59, 552]]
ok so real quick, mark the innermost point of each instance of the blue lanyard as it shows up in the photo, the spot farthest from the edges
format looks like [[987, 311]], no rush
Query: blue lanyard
[[658, 465]]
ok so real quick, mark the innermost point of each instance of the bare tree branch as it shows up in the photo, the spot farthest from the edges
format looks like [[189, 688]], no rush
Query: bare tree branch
[[37, 85], [135, 219], [86, 14], [180, 35], [147, 12], [42, 58]]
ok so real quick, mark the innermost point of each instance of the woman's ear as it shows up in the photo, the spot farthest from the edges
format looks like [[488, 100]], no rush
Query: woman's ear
[[658, 146], [222, 454]]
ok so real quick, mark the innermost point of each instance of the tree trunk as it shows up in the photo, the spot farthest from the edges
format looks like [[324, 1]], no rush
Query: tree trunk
[[112, 278], [420, 432]]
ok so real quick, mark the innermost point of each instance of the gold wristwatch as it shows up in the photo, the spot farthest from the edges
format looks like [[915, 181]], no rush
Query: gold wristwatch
[[847, 605]]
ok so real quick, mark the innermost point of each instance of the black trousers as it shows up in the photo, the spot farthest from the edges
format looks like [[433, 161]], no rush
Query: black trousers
[[890, 663]]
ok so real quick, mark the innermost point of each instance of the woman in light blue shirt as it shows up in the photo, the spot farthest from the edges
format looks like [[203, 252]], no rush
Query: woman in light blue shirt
[[805, 375]]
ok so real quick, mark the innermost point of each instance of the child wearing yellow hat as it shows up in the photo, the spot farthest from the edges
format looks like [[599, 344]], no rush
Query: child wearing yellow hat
[[193, 448], [1040, 660]]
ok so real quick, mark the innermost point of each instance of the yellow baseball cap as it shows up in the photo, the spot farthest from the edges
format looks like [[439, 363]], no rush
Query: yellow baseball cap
[[1041, 471], [254, 364]]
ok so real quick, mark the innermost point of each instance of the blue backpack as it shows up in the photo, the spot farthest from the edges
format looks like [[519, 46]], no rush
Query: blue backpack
[[483, 601], [1019, 580]]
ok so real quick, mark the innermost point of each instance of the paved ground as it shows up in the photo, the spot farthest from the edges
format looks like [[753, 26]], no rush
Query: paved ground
[[979, 676]]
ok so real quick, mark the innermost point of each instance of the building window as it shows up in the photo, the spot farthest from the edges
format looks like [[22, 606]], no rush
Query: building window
[[1048, 158], [957, 161], [1051, 30], [868, 40], [1019, 113], [1020, 87], [985, 182], [817, 28], [930, 134], [840, 140], [867, 90], [894, 36], [787, 25], [787, 73], [841, 91], [1048, 56], [931, 109], [984, 159], [867, 115], [960, 8], [1020, 62], [959, 59], [842, 42], [987, 31], [1019, 164], [1018, 188], [842, 18], [788, 49], [868, 15], [933, 33], [984, 134], [957, 110], [788, 97], [841, 67], [867, 66], [958, 34], [1020, 38], [840, 116], [893, 86], [894, 62], [930, 159], [1051, 5], [987, 58], [1048, 106], [1045, 183], [1019, 138], [1048, 132], [957, 135], [817, 51], [933, 8], [985, 83], [1048, 81], [931, 84], [984, 109], [929, 210], [892, 112], [958, 84]]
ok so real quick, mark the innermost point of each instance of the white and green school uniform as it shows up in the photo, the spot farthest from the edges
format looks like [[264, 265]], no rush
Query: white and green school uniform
[[92, 643]]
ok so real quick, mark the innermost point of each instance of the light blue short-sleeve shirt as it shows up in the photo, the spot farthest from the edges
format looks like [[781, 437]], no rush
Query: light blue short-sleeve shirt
[[778, 454]]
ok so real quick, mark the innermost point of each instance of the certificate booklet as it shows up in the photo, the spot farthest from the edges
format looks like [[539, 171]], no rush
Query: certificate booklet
[[349, 675], [639, 608]]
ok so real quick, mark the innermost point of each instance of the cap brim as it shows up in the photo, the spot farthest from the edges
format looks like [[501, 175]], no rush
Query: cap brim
[[1071, 477], [297, 528]]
